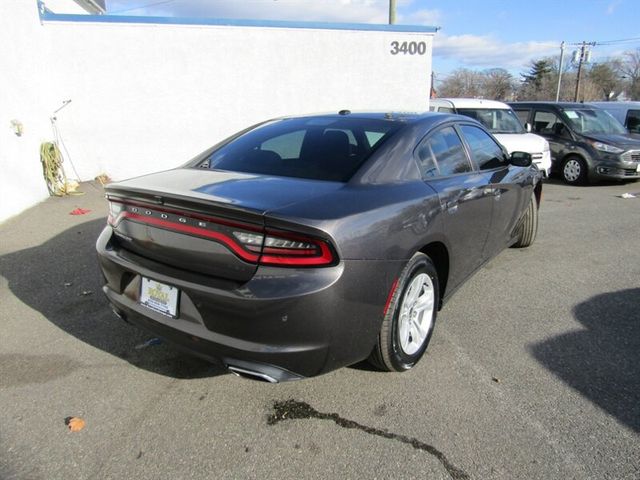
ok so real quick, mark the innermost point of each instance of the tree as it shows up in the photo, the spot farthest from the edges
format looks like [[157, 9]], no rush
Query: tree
[[630, 70], [497, 84], [539, 83], [538, 72], [461, 83], [606, 78], [494, 84]]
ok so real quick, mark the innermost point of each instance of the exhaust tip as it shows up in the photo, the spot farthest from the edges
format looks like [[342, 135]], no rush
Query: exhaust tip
[[251, 374]]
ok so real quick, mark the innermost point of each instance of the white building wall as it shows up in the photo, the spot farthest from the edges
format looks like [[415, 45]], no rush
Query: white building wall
[[25, 80], [147, 97]]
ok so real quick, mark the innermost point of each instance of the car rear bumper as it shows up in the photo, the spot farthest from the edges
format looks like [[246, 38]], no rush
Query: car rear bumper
[[283, 324]]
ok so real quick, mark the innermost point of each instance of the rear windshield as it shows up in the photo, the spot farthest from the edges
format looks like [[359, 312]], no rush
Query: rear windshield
[[593, 121], [497, 120], [318, 148]]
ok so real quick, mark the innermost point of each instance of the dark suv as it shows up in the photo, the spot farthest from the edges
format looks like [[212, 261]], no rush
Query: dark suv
[[587, 144]]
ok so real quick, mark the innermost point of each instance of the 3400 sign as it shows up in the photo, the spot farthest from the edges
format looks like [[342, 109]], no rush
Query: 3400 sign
[[408, 48]]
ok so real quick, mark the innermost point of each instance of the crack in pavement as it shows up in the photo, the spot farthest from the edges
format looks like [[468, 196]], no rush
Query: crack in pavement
[[295, 410]]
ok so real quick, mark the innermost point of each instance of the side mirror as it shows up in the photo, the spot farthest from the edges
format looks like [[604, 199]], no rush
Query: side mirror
[[521, 159], [527, 127]]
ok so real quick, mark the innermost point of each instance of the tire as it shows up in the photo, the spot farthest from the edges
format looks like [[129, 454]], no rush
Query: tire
[[529, 226], [402, 342], [574, 170]]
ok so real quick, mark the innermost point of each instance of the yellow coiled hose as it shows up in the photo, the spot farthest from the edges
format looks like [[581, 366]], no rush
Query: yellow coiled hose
[[53, 171]]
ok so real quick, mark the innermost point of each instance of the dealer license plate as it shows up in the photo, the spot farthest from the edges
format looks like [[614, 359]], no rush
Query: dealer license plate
[[638, 168], [159, 297]]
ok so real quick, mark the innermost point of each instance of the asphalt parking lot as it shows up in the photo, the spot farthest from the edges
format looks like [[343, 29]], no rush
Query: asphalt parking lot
[[533, 371]]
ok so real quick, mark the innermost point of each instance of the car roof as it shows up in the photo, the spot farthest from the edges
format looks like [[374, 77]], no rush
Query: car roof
[[380, 115], [389, 116], [559, 105], [616, 105], [473, 103]]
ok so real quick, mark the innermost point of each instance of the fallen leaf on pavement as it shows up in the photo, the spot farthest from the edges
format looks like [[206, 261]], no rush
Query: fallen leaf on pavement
[[75, 424], [79, 211]]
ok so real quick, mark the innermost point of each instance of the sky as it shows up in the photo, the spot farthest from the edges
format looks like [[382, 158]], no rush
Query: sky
[[476, 34]]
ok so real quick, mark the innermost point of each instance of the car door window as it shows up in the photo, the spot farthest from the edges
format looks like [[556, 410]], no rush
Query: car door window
[[484, 149], [523, 115], [633, 121], [442, 154], [547, 123]]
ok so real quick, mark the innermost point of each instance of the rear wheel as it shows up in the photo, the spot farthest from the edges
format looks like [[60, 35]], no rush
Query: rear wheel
[[574, 170], [408, 324], [529, 226]]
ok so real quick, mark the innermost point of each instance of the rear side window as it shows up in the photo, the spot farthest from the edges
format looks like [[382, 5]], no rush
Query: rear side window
[[442, 153], [427, 160], [318, 148], [632, 121], [485, 151]]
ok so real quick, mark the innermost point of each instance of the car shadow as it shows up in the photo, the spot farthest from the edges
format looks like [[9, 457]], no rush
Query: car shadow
[[602, 361], [61, 280]]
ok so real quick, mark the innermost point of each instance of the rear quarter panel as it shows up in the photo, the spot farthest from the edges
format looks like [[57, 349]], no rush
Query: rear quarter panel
[[371, 222]]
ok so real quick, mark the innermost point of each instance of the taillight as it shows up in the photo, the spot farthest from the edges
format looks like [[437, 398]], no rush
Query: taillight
[[115, 209], [274, 247], [284, 248]]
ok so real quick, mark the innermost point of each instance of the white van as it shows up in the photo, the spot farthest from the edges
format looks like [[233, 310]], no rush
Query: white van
[[502, 122], [627, 113]]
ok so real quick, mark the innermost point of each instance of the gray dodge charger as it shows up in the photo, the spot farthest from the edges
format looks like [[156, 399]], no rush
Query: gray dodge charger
[[304, 244]]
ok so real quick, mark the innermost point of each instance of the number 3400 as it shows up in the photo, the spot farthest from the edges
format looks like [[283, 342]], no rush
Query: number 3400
[[408, 48]]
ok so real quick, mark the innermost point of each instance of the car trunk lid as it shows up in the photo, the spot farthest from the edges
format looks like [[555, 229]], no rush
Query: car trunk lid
[[212, 222]]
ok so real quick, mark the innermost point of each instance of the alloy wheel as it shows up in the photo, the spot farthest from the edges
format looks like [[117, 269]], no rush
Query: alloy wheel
[[416, 314]]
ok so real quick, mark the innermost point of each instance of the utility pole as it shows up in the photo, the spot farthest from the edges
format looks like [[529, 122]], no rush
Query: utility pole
[[432, 93], [585, 55], [392, 12], [560, 71], [579, 77]]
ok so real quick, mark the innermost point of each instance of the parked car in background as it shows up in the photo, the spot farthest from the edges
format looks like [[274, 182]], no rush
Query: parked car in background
[[627, 113], [304, 244], [587, 144], [502, 122]]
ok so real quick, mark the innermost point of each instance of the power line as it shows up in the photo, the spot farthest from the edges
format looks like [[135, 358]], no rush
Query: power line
[[614, 42]]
